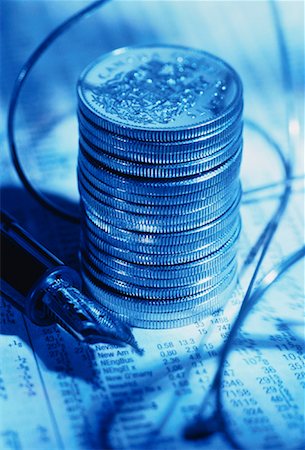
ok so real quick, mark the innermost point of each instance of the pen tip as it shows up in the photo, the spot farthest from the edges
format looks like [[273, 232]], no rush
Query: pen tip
[[133, 343], [112, 329], [128, 337]]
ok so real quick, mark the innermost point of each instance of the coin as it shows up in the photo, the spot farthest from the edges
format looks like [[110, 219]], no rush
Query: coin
[[155, 223], [158, 244], [160, 148], [120, 192], [94, 246], [160, 93], [165, 186], [172, 170], [159, 152], [158, 292]]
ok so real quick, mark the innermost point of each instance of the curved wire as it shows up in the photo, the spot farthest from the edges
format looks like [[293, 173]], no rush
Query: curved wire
[[267, 234], [273, 222], [287, 81], [272, 225], [203, 427], [216, 422], [22, 76], [274, 274], [270, 186]]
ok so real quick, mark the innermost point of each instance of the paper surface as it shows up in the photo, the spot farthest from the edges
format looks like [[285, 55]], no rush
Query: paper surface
[[58, 394]]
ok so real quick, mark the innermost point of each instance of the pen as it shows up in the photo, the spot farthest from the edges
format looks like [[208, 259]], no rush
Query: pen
[[47, 291]]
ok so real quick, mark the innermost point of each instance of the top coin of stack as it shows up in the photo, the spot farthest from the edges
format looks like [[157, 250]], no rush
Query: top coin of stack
[[160, 139]]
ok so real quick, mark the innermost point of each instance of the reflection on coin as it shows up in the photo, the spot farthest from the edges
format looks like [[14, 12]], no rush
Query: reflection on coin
[[160, 148], [161, 93]]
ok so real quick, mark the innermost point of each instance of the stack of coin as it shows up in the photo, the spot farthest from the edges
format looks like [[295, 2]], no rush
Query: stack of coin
[[160, 145]]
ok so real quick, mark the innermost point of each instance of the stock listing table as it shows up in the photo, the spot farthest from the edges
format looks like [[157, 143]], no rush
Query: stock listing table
[[58, 393]]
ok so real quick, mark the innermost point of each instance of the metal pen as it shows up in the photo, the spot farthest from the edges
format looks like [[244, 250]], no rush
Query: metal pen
[[47, 291]]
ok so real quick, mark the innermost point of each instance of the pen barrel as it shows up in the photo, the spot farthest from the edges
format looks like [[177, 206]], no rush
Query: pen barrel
[[27, 270]]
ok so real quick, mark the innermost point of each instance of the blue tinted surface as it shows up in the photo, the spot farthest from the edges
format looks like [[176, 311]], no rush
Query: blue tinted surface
[[78, 398]]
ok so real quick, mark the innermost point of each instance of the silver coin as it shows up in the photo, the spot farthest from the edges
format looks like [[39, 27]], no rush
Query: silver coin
[[161, 93], [169, 320], [168, 256], [140, 281], [158, 224], [174, 170], [204, 207], [160, 153], [153, 245], [207, 233], [120, 192], [212, 262], [157, 292], [167, 187], [165, 307], [163, 208]]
